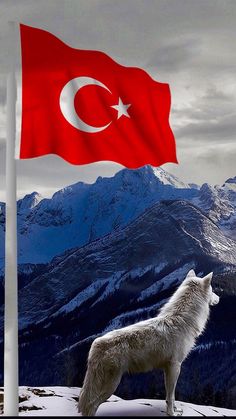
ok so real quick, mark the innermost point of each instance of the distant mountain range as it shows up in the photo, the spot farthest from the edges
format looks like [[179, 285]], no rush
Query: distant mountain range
[[97, 257], [81, 213]]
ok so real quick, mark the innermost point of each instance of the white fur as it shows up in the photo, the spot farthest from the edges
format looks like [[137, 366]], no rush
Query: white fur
[[160, 342]]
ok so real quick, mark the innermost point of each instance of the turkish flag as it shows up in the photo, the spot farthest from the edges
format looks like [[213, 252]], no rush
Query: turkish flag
[[85, 107]]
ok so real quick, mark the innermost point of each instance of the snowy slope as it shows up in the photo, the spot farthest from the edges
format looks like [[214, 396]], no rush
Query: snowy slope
[[163, 237], [229, 223], [62, 401]]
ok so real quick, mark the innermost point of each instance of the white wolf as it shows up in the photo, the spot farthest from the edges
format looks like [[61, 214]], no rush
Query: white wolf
[[160, 342]]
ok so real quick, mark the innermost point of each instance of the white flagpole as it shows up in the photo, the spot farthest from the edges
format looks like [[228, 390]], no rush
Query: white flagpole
[[11, 311]]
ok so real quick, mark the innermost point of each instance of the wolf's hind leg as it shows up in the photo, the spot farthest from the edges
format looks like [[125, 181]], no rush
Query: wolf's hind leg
[[111, 382], [172, 372]]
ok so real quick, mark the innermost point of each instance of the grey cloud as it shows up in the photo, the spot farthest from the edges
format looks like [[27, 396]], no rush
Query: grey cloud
[[3, 94], [130, 28], [211, 104], [219, 130], [204, 163], [2, 171], [187, 43], [175, 55], [209, 117], [50, 173], [218, 160]]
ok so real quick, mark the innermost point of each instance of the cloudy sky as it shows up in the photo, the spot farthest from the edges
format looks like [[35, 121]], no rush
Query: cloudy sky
[[187, 43]]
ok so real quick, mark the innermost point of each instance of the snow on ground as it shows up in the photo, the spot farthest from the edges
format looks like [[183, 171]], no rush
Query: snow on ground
[[62, 401]]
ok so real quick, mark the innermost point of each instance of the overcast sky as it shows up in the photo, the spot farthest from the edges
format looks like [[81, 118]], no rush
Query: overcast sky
[[187, 43]]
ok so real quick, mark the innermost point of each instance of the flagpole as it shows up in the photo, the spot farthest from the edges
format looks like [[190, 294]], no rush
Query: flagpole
[[11, 312]]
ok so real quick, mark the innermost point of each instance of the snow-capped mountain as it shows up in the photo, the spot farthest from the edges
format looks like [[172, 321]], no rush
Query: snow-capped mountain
[[80, 213]]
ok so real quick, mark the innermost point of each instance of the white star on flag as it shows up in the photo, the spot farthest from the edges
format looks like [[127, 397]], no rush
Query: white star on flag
[[121, 108]]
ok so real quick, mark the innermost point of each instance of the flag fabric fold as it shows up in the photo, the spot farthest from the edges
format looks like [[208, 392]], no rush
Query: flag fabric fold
[[85, 107]]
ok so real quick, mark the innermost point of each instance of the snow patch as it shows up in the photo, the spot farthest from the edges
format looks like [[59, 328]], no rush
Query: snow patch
[[62, 401]]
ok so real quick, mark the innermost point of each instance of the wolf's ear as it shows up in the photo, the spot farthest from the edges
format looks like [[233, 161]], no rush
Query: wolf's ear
[[190, 273], [207, 279]]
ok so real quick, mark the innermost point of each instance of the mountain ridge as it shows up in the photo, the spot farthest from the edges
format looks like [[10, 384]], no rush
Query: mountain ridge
[[80, 213]]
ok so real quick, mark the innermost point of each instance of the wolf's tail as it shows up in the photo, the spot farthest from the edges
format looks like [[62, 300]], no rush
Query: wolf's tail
[[101, 380], [90, 395]]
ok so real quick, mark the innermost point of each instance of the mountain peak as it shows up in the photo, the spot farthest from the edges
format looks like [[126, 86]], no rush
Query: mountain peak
[[29, 201], [149, 174], [231, 180], [74, 191]]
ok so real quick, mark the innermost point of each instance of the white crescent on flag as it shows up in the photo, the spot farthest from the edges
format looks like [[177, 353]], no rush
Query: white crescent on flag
[[67, 98]]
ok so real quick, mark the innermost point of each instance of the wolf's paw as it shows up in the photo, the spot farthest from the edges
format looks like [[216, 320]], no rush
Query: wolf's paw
[[178, 410], [175, 412]]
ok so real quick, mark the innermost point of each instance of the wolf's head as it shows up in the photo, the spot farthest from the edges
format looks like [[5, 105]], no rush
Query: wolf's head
[[205, 283]]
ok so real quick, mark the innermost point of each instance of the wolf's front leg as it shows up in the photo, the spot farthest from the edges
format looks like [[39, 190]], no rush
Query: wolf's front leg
[[171, 376]]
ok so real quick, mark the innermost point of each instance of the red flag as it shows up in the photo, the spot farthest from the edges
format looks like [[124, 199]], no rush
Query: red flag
[[85, 107]]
